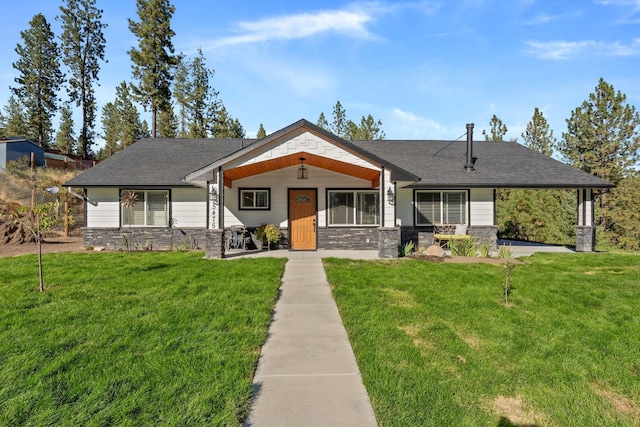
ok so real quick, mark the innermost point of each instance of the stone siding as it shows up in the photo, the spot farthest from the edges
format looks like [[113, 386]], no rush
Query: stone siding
[[388, 241], [214, 245], [155, 238], [349, 238], [585, 238], [484, 233]]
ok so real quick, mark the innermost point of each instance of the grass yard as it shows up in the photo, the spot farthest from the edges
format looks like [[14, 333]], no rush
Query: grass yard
[[437, 346], [132, 338]]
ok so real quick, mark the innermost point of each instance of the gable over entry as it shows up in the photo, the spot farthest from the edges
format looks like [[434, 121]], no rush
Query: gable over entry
[[293, 160]]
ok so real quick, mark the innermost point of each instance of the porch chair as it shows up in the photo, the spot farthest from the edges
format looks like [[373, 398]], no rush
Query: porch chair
[[445, 233]]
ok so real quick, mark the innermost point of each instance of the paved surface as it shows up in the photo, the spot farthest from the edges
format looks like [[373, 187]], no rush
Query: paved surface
[[307, 374]]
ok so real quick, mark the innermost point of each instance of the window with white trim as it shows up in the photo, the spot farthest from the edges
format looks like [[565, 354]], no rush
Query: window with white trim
[[354, 207], [441, 207], [150, 209], [255, 198]]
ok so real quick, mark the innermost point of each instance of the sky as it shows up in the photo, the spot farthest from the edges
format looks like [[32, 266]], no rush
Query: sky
[[424, 68]]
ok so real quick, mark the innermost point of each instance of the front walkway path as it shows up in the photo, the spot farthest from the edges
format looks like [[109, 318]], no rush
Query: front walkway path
[[307, 374]]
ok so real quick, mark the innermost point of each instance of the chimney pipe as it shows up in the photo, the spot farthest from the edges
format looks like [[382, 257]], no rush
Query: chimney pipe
[[469, 165]]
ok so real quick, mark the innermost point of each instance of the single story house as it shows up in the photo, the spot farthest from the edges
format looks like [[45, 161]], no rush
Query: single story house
[[17, 147], [322, 191]]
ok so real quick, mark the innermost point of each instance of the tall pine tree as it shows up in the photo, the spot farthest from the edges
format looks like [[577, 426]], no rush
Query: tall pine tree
[[65, 139], [154, 60], [602, 135], [39, 77], [83, 45]]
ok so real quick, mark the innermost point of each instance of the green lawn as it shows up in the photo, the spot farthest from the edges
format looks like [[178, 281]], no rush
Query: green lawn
[[437, 346], [132, 338]]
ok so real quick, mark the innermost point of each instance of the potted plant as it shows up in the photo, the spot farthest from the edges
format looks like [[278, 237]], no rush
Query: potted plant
[[272, 234]]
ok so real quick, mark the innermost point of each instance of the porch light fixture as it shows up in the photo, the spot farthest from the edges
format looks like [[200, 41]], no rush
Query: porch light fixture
[[391, 197], [303, 173]]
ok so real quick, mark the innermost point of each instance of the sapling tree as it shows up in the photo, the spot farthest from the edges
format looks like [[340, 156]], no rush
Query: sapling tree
[[128, 200], [38, 219]]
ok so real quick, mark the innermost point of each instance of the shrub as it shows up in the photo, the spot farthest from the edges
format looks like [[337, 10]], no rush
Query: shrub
[[465, 247]]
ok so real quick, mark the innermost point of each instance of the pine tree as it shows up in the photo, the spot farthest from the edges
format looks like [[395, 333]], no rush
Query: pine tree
[[83, 46], [498, 130], [262, 133], [602, 139], [65, 139], [322, 122], [129, 126], [182, 88], [167, 124], [121, 124], [110, 130], [538, 136], [226, 126], [202, 95], [14, 121], [339, 126], [39, 77], [369, 129], [602, 135], [154, 60]]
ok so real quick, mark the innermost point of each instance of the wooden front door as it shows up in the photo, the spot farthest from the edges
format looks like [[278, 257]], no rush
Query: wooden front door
[[302, 219]]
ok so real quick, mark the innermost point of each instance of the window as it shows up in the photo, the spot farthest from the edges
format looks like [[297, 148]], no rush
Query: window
[[441, 207], [354, 207], [151, 209], [255, 198]]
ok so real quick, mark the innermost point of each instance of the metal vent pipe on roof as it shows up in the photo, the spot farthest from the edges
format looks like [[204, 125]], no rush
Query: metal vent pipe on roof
[[468, 166]]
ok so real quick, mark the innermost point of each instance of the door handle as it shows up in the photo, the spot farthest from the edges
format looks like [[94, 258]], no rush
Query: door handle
[[314, 225]]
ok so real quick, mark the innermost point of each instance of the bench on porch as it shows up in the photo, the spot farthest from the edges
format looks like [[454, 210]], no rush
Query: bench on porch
[[445, 233]]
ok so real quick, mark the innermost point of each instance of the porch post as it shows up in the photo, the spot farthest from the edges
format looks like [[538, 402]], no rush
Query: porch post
[[214, 247], [585, 230]]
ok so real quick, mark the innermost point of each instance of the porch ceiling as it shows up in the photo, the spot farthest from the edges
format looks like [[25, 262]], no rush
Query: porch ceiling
[[245, 171]]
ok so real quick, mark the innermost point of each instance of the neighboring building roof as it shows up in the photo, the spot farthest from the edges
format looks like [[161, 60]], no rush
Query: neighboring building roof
[[156, 162], [425, 164], [497, 164], [56, 156]]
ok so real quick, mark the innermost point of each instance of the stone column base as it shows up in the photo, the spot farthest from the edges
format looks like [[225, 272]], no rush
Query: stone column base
[[485, 233], [585, 238], [388, 242], [214, 244]]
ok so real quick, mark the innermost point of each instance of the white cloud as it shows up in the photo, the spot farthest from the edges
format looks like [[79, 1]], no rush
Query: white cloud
[[303, 25], [414, 126], [350, 21], [562, 49]]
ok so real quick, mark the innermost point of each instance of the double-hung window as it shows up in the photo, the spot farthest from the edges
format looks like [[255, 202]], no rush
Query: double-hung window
[[149, 208], [254, 198], [441, 207], [354, 207]]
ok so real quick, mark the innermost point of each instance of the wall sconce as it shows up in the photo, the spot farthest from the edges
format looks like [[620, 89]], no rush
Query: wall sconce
[[391, 197], [303, 173]]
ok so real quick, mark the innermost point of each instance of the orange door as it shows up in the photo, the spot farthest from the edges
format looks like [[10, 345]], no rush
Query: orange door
[[302, 219]]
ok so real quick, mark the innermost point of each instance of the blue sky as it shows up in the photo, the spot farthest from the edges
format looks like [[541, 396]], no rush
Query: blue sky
[[425, 68]]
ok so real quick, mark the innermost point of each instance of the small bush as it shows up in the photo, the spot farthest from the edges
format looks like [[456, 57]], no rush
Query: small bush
[[406, 249], [484, 248], [465, 247], [504, 251]]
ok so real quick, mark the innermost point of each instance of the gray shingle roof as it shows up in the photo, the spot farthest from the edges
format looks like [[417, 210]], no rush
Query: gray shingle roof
[[440, 164], [432, 164], [157, 162]]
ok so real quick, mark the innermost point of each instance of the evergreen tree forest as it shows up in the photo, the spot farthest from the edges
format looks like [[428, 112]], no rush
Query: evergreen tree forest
[[57, 75]]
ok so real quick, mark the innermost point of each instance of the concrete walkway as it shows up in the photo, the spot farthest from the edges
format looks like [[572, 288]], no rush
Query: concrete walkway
[[307, 373]]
